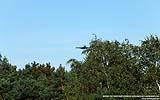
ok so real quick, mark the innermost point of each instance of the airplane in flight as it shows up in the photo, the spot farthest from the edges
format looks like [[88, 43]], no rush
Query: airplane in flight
[[84, 47]]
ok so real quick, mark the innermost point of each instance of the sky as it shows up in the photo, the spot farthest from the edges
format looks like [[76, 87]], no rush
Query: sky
[[49, 30]]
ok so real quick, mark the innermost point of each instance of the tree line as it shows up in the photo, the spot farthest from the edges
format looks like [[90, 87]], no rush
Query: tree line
[[108, 68]]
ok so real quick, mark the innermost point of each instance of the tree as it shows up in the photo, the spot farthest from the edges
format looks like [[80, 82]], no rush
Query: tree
[[150, 60]]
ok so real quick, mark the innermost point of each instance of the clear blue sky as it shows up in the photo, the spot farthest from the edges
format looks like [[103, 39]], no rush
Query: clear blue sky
[[49, 30]]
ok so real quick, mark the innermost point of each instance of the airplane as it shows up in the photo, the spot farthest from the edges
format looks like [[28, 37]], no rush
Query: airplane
[[84, 47]]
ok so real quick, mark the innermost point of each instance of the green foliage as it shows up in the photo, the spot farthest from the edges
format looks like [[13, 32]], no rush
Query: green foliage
[[109, 68]]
